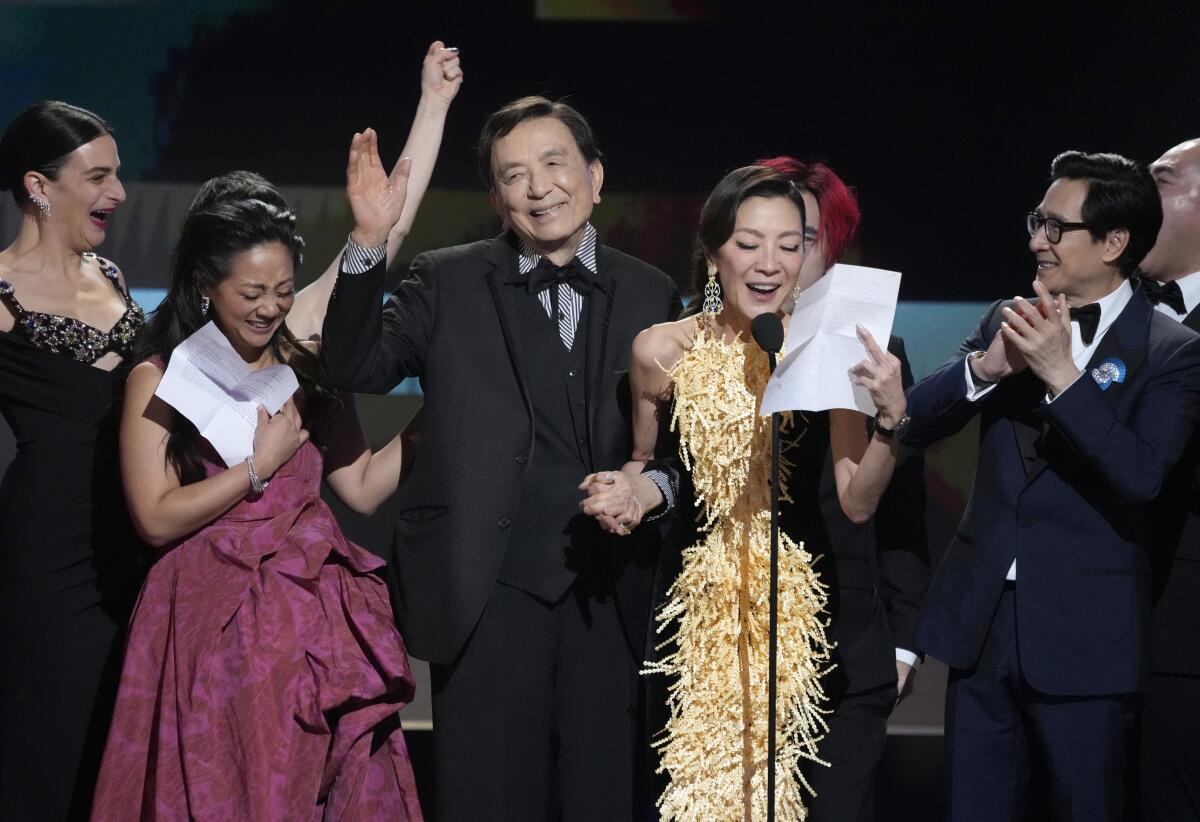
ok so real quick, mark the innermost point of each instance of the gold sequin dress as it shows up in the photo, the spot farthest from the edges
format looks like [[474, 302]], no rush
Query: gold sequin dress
[[715, 620]]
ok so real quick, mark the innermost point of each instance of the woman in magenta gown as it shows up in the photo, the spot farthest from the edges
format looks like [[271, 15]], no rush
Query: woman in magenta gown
[[264, 671]]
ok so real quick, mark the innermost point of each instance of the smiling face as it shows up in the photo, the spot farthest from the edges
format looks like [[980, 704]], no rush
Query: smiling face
[[759, 263], [1078, 266], [544, 189], [84, 196], [1176, 251], [251, 303]]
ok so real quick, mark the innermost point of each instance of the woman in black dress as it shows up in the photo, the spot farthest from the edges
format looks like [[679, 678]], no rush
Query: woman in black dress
[[68, 561]]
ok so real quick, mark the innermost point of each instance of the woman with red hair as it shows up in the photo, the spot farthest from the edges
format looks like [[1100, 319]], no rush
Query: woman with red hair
[[876, 574]]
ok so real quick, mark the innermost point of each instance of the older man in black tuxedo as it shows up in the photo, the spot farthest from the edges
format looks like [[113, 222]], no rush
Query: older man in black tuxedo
[[528, 613]]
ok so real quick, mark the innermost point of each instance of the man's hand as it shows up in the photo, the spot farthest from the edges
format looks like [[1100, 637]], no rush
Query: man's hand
[[441, 73], [376, 199], [1002, 359], [906, 676], [1043, 337]]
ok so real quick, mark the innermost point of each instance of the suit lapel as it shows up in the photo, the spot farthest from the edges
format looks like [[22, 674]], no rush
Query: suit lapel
[[1192, 320], [599, 307], [506, 286], [1028, 393], [1125, 341]]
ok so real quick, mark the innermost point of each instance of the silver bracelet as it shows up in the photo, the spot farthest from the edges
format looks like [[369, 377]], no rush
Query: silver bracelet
[[257, 486]]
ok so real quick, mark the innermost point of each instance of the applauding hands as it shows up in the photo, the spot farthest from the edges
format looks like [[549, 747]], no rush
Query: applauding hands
[[1042, 336]]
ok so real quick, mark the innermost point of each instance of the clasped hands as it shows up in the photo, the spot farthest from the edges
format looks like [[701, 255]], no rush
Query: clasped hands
[[1033, 336], [619, 499]]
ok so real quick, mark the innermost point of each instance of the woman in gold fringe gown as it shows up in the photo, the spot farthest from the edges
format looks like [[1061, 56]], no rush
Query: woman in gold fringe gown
[[704, 375]]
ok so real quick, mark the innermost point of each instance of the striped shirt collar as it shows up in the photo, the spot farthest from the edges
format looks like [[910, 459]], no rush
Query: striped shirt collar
[[527, 258]]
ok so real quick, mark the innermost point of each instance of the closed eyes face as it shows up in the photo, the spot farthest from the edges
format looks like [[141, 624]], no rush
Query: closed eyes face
[[85, 194], [1176, 251], [759, 264], [252, 302]]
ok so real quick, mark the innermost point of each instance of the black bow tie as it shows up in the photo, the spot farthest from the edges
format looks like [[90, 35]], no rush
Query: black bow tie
[[1168, 293], [1088, 317], [547, 274]]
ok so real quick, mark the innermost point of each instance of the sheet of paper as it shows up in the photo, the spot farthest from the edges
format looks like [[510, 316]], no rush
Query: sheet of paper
[[822, 343], [219, 393]]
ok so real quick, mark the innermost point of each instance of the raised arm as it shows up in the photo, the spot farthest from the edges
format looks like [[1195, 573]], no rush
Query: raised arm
[[441, 77], [161, 508], [364, 347]]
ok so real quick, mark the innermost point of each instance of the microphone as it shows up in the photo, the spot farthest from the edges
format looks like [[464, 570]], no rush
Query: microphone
[[768, 333]]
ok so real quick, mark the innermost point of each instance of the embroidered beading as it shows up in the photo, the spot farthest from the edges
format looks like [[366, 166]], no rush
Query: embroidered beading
[[75, 338]]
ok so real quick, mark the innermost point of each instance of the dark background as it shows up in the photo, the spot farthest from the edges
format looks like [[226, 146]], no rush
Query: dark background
[[944, 116]]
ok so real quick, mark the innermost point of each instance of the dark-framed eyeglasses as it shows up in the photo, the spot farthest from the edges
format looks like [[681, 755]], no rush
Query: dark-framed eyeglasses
[[1054, 227]]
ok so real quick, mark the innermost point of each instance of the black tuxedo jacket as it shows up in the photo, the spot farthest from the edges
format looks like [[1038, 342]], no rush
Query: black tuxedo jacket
[[451, 324], [1176, 563], [1066, 488]]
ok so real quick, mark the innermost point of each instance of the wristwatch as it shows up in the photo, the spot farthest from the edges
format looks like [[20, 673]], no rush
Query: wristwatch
[[895, 431], [977, 381]]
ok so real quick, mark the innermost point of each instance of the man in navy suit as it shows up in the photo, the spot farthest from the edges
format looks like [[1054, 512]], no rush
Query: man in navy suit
[[1041, 608]]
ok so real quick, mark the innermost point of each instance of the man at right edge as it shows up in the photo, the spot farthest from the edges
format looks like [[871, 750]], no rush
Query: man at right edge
[[1086, 399]]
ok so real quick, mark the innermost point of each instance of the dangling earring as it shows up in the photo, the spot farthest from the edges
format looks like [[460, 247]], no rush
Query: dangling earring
[[796, 292], [42, 204], [712, 295], [205, 302]]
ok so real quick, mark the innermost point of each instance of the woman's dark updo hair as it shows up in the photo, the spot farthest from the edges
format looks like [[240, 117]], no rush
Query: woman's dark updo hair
[[718, 217], [237, 185], [41, 138], [210, 240]]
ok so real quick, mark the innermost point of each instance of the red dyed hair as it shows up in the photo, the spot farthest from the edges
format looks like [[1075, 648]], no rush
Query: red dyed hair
[[838, 205]]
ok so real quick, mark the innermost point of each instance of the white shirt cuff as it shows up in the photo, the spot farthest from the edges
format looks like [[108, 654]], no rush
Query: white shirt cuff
[[974, 394], [907, 657]]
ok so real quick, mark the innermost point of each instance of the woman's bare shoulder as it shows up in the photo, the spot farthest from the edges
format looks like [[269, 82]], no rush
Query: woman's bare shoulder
[[663, 344]]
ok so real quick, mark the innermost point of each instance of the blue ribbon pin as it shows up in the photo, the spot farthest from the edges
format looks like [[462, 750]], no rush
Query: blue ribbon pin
[[1108, 372]]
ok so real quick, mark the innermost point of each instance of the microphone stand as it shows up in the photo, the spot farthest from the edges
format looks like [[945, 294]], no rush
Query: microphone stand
[[768, 333], [773, 626]]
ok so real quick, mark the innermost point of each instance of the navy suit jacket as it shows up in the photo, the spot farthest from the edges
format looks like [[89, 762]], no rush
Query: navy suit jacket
[[1064, 488]]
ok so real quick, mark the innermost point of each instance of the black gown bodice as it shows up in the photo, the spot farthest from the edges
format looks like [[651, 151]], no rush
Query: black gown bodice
[[60, 499]]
